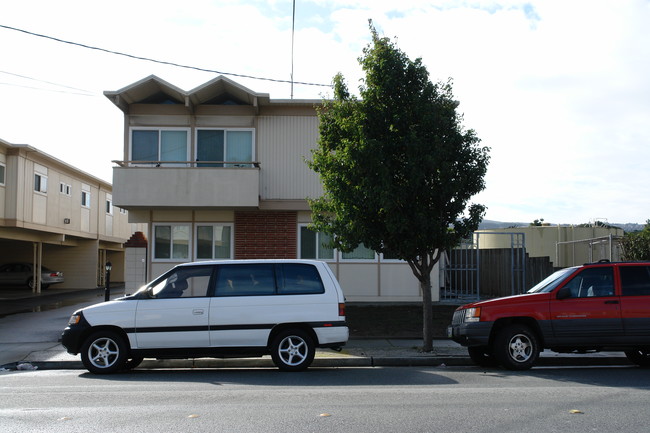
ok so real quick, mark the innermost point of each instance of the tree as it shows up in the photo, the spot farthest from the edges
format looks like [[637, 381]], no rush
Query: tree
[[397, 167], [636, 245]]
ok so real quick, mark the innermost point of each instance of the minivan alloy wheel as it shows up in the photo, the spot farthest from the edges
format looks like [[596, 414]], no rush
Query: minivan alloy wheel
[[104, 352], [293, 350]]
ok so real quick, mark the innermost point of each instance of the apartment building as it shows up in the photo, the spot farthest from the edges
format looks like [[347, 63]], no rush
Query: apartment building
[[55, 215], [219, 172]]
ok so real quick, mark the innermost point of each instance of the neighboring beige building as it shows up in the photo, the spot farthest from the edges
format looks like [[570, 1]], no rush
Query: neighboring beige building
[[220, 172], [55, 215], [564, 245]]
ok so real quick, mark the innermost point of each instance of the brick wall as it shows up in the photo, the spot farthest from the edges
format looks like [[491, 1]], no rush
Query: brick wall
[[265, 235]]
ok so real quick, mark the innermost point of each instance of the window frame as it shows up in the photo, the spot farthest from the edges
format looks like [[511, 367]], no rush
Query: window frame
[[40, 183], [171, 257], [159, 162], [65, 189], [225, 146], [85, 198], [231, 240], [3, 174], [317, 234]]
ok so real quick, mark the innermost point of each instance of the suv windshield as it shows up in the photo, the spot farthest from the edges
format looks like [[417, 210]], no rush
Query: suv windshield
[[552, 281]]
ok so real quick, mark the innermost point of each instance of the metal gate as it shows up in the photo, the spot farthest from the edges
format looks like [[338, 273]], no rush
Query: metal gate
[[462, 271]]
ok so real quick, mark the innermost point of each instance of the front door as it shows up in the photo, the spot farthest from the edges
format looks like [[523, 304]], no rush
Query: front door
[[177, 312], [592, 315]]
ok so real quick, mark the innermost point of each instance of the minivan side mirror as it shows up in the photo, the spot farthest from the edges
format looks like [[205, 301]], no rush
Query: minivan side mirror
[[563, 293]]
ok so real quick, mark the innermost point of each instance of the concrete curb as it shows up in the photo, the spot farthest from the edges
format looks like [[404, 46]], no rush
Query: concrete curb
[[325, 362]]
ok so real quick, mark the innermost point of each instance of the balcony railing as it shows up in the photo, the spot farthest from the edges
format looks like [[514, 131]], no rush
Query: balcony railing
[[186, 184]]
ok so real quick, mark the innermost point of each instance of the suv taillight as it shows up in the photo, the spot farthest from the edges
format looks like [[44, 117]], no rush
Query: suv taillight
[[342, 309]]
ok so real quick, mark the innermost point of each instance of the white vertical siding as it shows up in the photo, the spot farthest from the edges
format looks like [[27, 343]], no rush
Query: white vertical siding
[[283, 144]]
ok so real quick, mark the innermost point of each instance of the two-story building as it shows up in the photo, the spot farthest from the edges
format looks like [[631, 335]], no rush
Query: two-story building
[[219, 172], [55, 215]]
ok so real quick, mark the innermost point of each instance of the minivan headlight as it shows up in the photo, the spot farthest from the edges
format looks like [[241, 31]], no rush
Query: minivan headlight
[[74, 319], [473, 314]]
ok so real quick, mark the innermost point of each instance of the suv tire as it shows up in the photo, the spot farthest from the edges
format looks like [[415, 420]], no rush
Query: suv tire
[[640, 356], [481, 356], [516, 347]]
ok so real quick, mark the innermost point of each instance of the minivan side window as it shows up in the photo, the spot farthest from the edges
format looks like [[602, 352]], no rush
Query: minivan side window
[[635, 280], [299, 279], [190, 282], [245, 280]]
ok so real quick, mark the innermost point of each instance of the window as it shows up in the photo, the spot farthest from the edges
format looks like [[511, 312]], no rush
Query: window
[[65, 189], [159, 145], [85, 198], [245, 280], [171, 242], [592, 282], [635, 280], [359, 253], [40, 183], [299, 279], [219, 145], [2, 174], [190, 282], [109, 207], [311, 245], [213, 241]]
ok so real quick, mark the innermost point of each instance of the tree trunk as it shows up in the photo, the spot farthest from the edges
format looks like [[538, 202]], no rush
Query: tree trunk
[[427, 315]]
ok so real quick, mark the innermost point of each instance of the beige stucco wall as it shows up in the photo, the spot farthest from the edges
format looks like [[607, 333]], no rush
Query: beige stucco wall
[[543, 241]]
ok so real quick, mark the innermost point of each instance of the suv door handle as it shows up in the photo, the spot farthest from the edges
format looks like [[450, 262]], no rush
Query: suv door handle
[[197, 312], [611, 302]]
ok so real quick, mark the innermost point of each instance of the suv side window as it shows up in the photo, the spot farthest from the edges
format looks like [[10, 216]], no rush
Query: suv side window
[[299, 279], [189, 282], [592, 282], [635, 280], [245, 280]]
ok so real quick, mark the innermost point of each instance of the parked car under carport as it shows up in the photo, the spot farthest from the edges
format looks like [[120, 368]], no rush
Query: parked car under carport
[[22, 274]]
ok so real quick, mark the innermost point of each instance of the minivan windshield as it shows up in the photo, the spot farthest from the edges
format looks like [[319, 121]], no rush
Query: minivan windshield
[[552, 281]]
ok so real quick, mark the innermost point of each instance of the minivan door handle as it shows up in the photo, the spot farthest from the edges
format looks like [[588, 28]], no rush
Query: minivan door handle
[[197, 311]]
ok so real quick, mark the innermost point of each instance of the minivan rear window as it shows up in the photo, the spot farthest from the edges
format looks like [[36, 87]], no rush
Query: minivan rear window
[[299, 279]]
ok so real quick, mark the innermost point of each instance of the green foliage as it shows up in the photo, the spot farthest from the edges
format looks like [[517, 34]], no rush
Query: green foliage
[[398, 168], [537, 223], [636, 245]]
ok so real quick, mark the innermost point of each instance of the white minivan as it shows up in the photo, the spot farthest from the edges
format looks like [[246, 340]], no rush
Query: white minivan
[[219, 309]]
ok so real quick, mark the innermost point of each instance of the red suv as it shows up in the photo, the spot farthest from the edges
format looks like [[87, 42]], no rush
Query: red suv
[[597, 306]]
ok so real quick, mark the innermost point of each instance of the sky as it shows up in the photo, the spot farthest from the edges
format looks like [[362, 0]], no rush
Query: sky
[[557, 89]]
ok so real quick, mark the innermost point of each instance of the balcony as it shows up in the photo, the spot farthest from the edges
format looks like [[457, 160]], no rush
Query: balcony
[[181, 184]]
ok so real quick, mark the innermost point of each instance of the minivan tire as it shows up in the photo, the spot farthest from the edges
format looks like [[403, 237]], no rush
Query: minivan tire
[[516, 347], [104, 352], [292, 350]]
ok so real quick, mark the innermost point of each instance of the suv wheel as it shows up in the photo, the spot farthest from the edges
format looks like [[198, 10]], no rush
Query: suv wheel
[[640, 356], [516, 347], [104, 352], [292, 350]]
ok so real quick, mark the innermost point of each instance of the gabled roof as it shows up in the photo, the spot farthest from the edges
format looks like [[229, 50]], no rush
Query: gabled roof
[[222, 90], [148, 90], [218, 91]]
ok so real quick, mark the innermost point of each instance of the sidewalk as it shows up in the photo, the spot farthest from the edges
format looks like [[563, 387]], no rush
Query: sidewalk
[[29, 339]]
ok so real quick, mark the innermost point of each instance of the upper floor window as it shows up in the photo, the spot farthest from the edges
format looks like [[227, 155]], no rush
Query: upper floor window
[[85, 198], [109, 206], [224, 147], [65, 189], [159, 145], [2, 174], [40, 183]]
